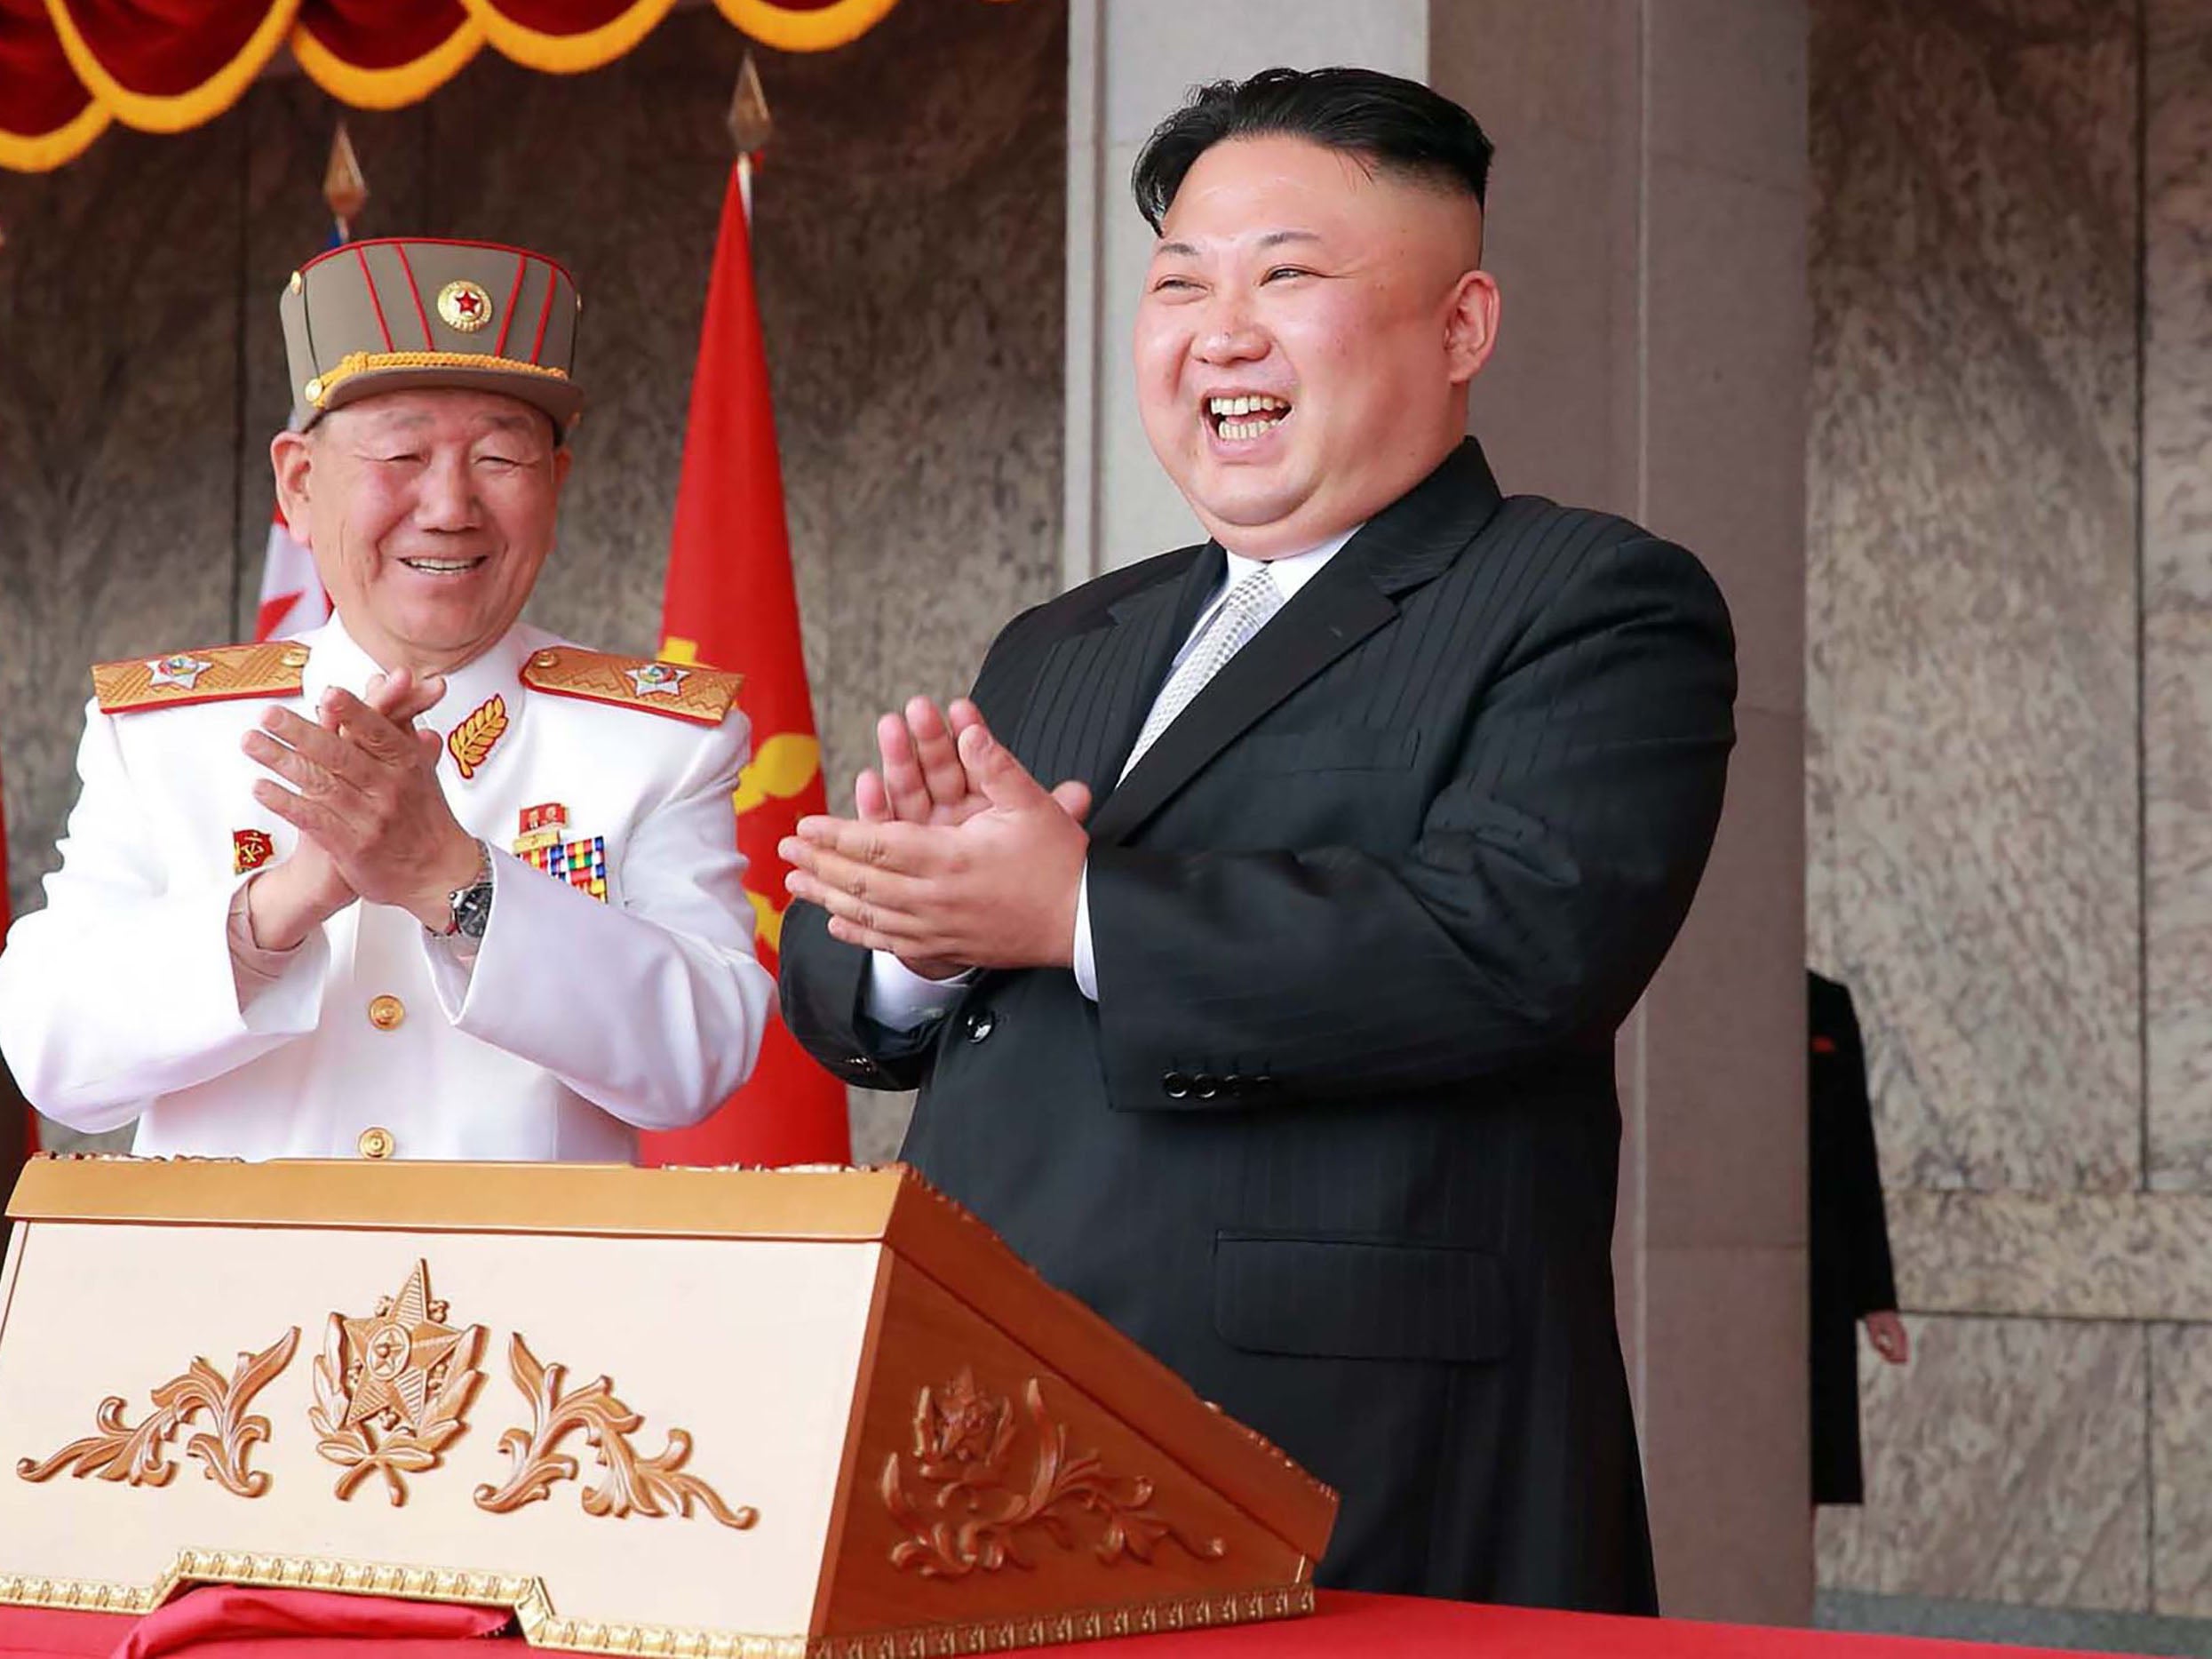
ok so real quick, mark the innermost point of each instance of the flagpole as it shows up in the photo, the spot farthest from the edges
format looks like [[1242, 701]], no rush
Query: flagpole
[[344, 188], [749, 127]]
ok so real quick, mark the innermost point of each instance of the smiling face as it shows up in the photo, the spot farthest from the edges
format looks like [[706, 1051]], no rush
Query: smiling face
[[429, 514], [1306, 338]]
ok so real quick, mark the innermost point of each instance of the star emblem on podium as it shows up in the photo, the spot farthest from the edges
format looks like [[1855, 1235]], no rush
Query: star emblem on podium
[[399, 1346]]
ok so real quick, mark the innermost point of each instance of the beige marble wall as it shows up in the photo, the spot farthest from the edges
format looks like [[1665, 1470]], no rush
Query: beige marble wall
[[1972, 578], [2009, 779], [909, 244], [2039, 1492]]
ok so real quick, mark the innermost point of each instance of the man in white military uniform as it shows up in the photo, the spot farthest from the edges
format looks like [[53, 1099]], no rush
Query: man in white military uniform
[[425, 882]]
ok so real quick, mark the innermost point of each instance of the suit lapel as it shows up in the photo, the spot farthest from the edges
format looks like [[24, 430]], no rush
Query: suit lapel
[[1356, 593], [1092, 694]]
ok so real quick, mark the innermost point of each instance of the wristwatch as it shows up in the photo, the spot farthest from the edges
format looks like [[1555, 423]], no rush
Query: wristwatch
[[471, 904]]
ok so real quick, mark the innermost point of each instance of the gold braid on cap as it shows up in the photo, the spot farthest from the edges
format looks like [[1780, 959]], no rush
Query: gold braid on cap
[[355, 362]]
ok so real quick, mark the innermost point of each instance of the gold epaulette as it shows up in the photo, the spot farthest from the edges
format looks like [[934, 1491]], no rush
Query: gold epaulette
[[213, 675], [681, 691]]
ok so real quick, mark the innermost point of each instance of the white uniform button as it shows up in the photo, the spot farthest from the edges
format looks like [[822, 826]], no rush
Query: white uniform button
[[386, 1012]]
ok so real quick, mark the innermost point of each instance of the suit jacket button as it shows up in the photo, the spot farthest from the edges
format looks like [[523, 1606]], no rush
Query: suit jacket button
[[1176, 1084], [1259, 1085], [861, 1065], [1205, 1086], [980, 1024]]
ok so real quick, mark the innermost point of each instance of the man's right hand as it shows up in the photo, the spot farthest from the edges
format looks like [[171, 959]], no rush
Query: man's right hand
[[288, 901], [921, 781]]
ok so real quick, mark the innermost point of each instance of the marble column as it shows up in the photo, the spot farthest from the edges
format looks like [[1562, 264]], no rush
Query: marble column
[[1977, 597], [1647, 224]]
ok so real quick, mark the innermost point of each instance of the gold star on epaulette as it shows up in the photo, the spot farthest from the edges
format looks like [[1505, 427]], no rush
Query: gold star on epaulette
[[213, 675], [681, 691]]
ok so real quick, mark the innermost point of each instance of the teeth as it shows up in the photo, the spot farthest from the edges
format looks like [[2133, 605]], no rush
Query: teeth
[[440, 567], [1230, 407]]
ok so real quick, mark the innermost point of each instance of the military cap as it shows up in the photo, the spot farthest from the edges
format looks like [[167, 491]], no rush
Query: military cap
[[402, 312]]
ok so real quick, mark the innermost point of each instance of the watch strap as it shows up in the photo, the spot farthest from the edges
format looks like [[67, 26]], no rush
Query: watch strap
[[471, 897]]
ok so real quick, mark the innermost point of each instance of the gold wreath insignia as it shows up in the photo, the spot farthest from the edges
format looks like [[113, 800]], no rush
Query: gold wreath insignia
[[391, 1391], [472, 740]]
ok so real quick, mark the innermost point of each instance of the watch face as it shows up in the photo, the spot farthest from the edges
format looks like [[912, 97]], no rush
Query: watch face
[[472, 909]]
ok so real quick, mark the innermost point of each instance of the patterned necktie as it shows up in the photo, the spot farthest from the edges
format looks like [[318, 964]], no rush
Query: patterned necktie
[[1243, 614]]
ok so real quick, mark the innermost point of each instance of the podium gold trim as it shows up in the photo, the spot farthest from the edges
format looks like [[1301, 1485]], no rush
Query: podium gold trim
[[525, 1596]]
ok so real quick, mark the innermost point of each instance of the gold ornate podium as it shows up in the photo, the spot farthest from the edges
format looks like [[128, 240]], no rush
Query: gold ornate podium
[[681, 1411]]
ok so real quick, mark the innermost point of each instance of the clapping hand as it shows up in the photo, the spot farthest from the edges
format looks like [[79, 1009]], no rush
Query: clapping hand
[[373, 823], [955, 857]]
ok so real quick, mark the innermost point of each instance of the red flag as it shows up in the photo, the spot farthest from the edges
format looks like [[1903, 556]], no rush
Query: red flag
[[31, 1117], [293, 599], [730, 602]]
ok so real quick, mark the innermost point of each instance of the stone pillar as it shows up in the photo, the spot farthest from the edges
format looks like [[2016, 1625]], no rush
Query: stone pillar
[[1648, 229], [1647, 224]]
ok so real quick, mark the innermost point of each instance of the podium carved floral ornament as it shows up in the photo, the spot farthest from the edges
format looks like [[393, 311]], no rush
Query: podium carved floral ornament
[[629, 1484], [392, 1390], [134, 1456], [968, 1516]]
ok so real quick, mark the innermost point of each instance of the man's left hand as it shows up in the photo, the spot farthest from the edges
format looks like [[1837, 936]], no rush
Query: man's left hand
[[1887, 1332], [996, 890], [367, 794]]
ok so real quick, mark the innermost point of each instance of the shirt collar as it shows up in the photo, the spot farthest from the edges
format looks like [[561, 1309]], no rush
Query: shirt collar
[[1292, 571], [335, 659]]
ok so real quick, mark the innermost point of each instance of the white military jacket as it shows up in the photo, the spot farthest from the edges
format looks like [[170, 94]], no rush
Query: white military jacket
[[582, 1018]]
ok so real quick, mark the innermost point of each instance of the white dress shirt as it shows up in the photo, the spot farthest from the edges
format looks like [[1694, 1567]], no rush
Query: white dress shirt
[[573, 1025], [899, 999]]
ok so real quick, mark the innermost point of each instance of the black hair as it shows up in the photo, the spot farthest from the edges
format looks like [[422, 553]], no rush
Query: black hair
[[1391, 124]]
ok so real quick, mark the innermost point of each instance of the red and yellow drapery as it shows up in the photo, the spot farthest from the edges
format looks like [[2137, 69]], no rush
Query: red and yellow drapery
[[67, 68]]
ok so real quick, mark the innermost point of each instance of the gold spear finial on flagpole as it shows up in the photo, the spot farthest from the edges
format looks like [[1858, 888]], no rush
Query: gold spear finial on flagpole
[[343, 188], [749, 125]]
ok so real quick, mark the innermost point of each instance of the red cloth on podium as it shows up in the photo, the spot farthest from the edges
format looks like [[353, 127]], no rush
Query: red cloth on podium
[[223, 1621], [228, 1613]]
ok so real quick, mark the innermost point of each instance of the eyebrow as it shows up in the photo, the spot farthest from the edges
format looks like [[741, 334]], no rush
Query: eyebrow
[[1273, 239]]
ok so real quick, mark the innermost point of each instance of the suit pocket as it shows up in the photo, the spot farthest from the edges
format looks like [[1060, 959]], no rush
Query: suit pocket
[[1330, 749], [1347, 1299]]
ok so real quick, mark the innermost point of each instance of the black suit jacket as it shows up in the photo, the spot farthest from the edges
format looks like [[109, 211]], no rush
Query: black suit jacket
[[1848, 1233], [1339, 1139]]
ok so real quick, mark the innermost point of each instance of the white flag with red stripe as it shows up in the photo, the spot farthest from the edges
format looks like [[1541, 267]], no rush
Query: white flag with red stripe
[[293, 599]]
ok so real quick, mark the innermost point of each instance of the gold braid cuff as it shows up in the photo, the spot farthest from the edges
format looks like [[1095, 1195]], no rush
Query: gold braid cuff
[[360, 361]]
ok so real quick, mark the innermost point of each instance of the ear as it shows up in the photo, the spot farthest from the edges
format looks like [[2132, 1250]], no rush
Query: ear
[[1471, 325], [564, 458], [291, 457]]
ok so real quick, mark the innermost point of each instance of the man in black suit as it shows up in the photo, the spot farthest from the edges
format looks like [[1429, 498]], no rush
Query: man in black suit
[[1846, 1237], [1294, 1058]]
